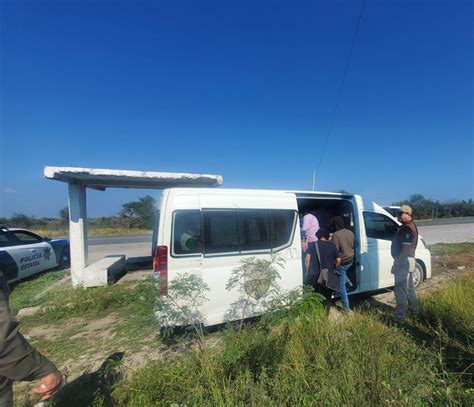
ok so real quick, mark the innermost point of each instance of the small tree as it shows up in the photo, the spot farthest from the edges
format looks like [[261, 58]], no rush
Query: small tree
[[141, 213], [256, 281], [181, 306], [64, 216]]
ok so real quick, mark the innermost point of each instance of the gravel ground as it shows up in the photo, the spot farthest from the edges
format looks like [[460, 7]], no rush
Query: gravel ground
[[447, 233]]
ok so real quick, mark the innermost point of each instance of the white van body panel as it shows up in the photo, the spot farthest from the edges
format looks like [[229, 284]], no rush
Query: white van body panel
[[215, 269], [373, 260], [377, 252]]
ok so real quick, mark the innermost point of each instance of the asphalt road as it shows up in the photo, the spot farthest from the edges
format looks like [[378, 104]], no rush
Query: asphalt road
[[422, 225], [119, 239], [452, 231], [440, 222]]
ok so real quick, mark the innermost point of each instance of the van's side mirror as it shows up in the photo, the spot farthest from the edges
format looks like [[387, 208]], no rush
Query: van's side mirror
[[47, 239]]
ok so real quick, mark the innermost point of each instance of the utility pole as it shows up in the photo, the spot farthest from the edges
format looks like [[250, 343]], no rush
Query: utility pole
[[314, 179]]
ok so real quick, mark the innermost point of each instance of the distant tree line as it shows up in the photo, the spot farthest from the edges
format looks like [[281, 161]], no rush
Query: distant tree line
[[141, 214], [430, 209], [136, 214]]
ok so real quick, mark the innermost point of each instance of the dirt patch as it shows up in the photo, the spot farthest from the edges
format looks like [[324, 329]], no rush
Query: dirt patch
[[97, 327], [453, 261]]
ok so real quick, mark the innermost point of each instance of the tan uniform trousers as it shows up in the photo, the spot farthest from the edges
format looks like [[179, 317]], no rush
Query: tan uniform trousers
[[404, 290]]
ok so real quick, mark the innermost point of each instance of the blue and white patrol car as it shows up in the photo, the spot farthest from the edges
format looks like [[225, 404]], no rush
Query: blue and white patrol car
[[24, 253]]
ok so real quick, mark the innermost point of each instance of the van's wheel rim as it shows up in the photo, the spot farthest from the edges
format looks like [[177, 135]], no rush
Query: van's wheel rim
[[417, 276]]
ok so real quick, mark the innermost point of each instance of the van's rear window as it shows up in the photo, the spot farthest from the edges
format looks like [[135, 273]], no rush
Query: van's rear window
[[187, 235]]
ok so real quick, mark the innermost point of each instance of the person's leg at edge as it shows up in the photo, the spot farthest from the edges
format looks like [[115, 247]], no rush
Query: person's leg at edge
[[411, 295], [400, 290], [6, 392], [342, 271]]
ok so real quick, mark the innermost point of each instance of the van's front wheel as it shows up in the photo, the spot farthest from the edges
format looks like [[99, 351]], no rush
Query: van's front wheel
[[418, 275]]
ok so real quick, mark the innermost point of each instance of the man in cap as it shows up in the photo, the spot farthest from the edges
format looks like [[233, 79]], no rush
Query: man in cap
[[403, 253], [19, 361]]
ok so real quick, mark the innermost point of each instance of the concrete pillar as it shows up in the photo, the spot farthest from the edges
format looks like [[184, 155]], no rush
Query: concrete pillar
[[78, 233]]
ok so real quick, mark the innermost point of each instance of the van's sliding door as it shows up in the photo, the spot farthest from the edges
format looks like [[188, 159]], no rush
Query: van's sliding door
[[247, 227]]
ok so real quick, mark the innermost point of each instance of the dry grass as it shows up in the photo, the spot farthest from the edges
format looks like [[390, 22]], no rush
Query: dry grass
[[93, 232]]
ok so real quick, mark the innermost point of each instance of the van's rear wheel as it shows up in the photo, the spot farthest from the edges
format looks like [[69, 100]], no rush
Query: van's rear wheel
[[418, 275]]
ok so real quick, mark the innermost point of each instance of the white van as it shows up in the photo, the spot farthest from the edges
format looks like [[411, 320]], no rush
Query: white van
[[208, 232]]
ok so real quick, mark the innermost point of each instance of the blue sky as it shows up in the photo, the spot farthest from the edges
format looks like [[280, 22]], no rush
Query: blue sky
[[244, 89]]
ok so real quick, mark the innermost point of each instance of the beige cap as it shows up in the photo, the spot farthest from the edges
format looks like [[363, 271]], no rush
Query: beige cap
[[406, 209]]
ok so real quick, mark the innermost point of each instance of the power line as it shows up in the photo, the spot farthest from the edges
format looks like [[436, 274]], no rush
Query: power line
[[331, 122]]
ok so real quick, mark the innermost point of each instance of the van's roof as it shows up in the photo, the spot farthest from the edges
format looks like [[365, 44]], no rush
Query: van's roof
[[260, 190], [365, 203]]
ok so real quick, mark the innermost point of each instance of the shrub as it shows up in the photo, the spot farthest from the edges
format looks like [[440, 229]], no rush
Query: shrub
[[357, 362], [451, 308]]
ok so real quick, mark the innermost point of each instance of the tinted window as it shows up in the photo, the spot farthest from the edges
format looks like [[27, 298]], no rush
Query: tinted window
[[27, 237], [254, 230], [4, 240], [187, 234], [221, 232], [392, 211], [282, 224], [379, 226], [231, 231]]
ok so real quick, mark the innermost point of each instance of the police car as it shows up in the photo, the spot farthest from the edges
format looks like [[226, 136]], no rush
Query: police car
[[24, 253]]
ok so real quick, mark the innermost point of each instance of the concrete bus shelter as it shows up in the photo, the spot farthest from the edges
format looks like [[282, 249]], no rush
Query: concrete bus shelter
[[79, 179]]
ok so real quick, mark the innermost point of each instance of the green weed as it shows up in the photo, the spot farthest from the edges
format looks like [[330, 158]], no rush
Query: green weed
[[451, 308], [34, 292], [95, 302], [357, 362]]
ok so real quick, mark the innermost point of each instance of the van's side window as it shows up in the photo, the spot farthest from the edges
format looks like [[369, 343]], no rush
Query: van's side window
[[282, 224], [379, 226], [187, 233], [229, 231], [254, 230], [221, 231]]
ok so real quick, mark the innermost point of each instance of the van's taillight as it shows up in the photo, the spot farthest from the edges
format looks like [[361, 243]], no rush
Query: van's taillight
[[160, 267]]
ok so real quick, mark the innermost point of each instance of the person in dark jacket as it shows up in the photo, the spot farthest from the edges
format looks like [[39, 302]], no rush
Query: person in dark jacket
[[328, 259], [19, 361], [344, 240], [403, 252]]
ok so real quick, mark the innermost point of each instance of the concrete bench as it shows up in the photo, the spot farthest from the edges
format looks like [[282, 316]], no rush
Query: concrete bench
[[101, 271]]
